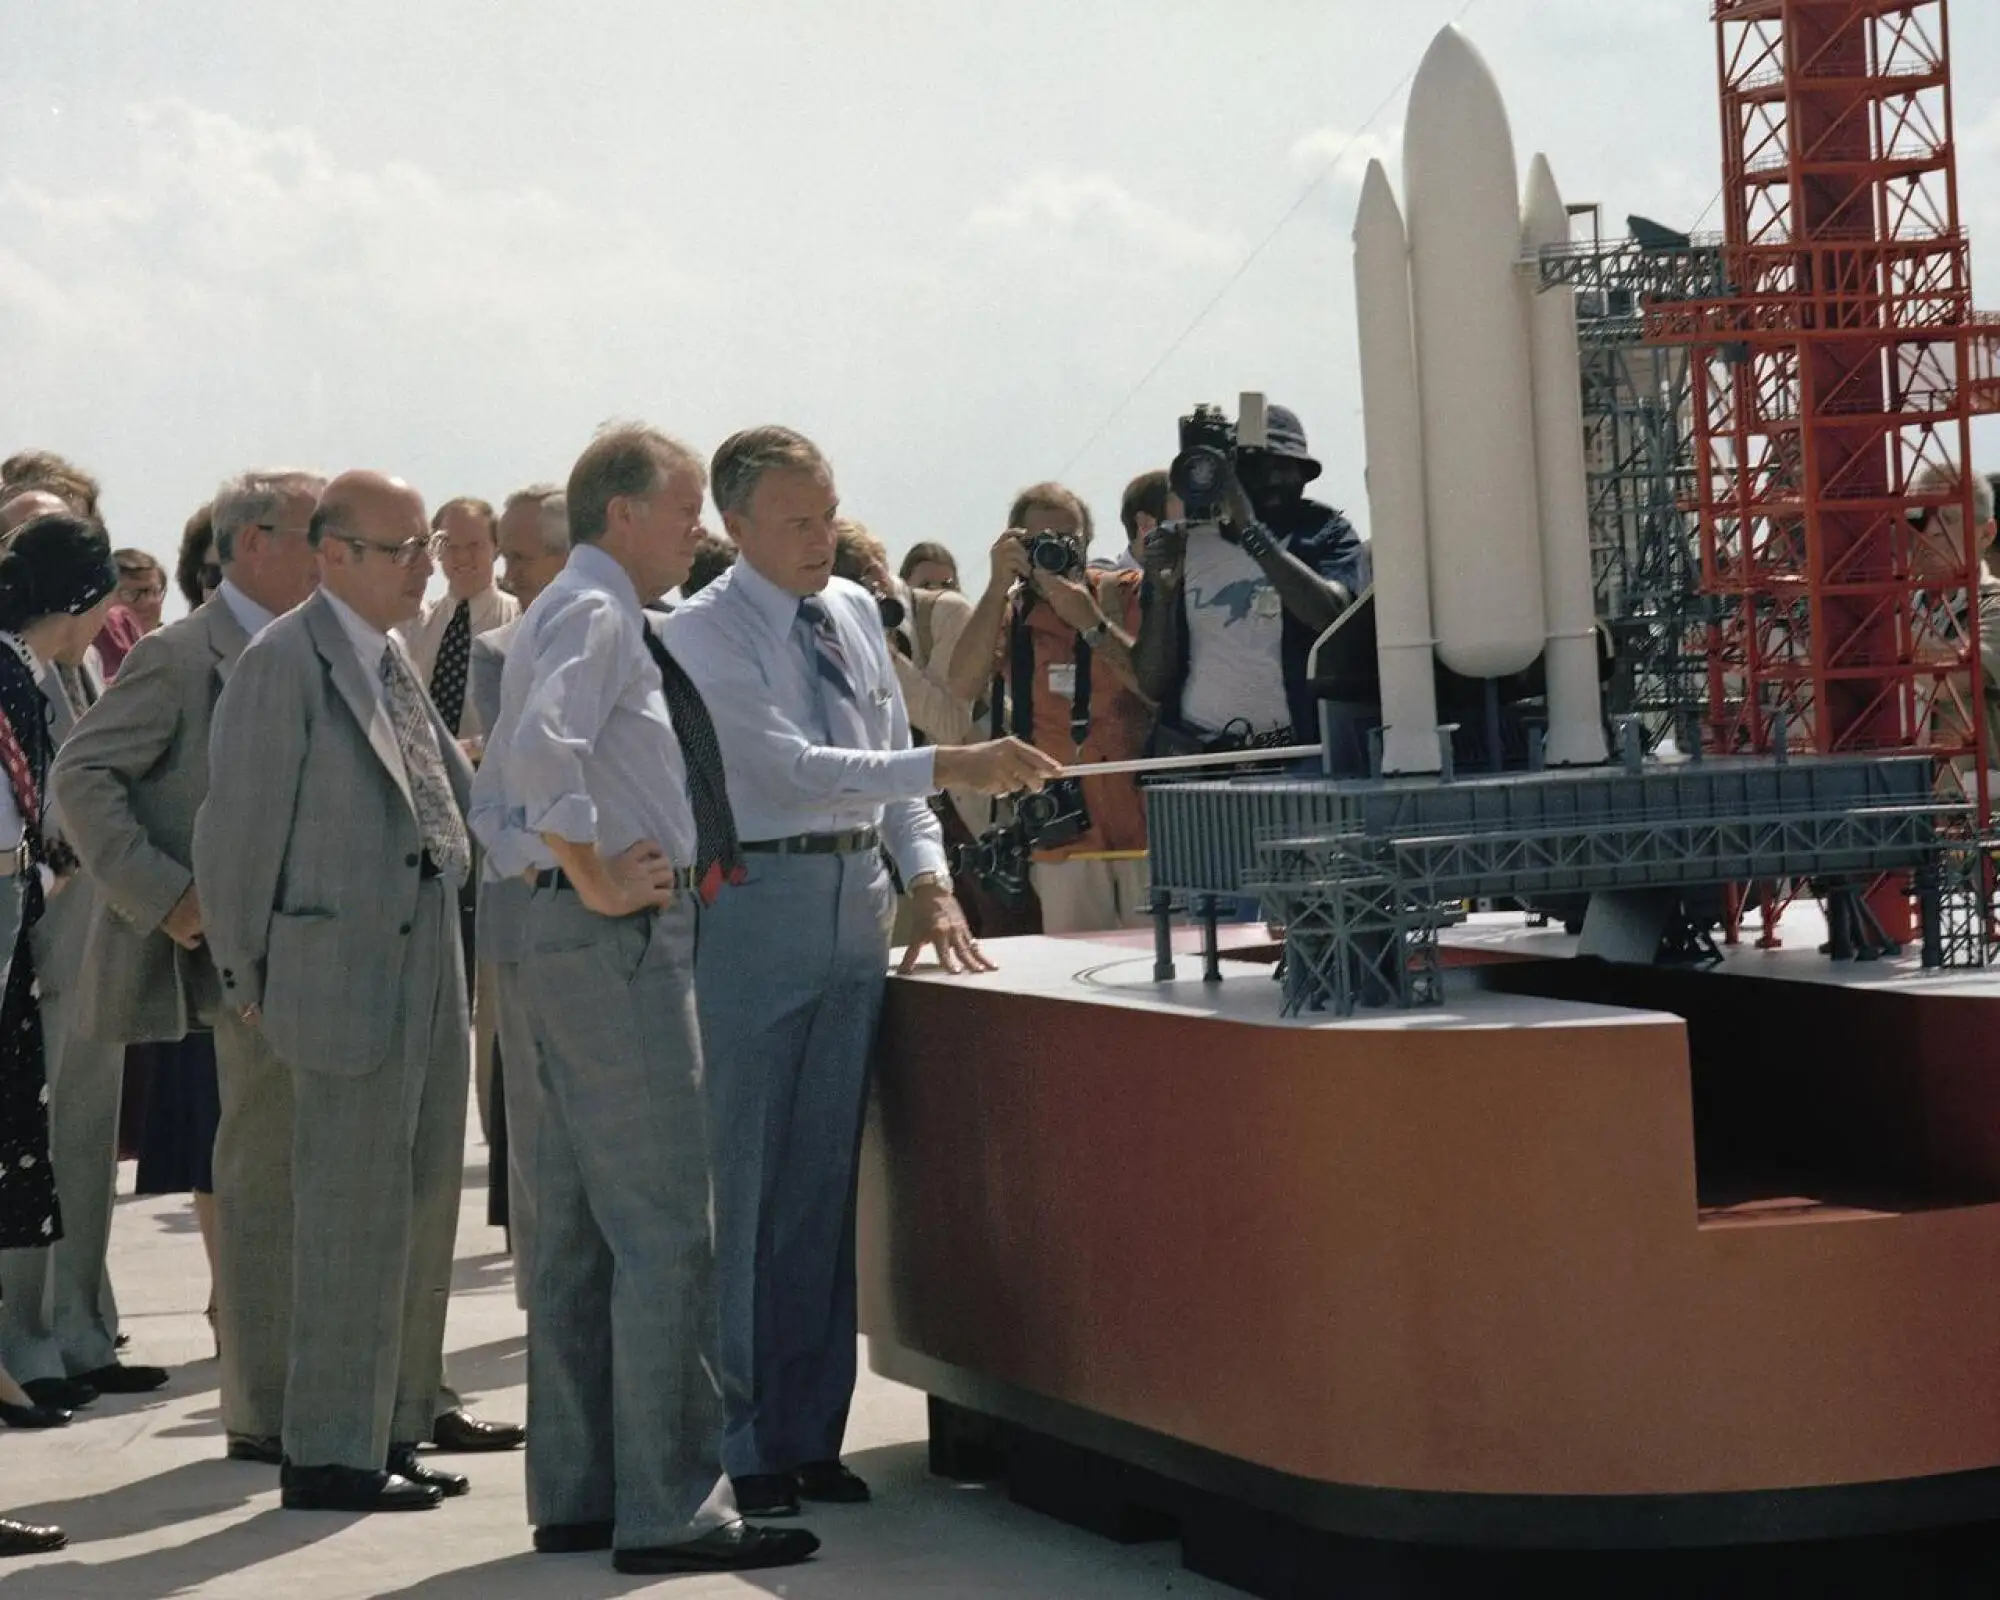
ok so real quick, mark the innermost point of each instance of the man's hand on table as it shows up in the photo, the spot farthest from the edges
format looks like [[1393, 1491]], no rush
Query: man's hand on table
[[940, 926]]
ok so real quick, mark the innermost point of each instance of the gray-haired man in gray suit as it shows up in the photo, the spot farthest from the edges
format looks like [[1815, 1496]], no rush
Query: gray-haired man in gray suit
[[534, 542], [328, 855], [128, 782]]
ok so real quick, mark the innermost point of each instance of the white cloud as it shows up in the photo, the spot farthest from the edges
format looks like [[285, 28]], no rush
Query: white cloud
[[1097, 212], [211, 225], [1342, 157]]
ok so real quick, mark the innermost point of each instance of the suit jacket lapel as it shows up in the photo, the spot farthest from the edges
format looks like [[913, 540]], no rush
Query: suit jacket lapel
[[337, 650], [227, 637]]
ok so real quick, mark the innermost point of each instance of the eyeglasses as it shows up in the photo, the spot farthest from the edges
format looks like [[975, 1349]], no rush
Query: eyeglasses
[[134, 593], [401, 555]]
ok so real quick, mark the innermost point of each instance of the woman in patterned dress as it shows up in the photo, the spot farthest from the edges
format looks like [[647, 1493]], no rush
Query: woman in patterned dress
[[57, 579]]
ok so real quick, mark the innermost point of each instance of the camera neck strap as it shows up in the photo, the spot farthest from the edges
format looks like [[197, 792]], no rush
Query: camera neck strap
[[1021, 684]]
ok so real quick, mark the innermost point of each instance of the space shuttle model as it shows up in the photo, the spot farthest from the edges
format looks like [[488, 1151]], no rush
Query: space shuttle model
[[1474, 421]]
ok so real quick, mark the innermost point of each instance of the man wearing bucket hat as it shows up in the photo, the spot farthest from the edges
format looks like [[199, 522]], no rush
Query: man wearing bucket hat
[[1231, 609]]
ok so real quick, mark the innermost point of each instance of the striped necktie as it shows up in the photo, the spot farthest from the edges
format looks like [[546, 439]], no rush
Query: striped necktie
[[827, 652]]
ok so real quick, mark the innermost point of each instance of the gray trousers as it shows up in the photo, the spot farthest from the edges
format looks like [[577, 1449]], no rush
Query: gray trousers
[[791, 971], [51, 1321], [621, 1303], [253, 1213], [523, 1096], [378, 1162]]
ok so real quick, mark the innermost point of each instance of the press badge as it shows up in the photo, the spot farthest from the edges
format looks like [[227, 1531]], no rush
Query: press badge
[[1062, 679]]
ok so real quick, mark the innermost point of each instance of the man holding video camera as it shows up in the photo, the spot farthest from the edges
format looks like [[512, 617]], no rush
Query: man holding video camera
[[1236, 595], [1056, 635]]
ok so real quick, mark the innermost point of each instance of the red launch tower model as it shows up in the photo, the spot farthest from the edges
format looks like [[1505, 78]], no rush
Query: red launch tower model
[[1846, 362]]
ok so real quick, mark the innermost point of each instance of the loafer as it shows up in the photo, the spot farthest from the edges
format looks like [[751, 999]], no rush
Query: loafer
[[62, 1394], [26, 1539], [120, 1379], [255, 1447], [351, 1489], [833, 1483], [766, 1494], [33, 1416], [570, 1538], [403, 1463], [736, 1547], [462, 1433]]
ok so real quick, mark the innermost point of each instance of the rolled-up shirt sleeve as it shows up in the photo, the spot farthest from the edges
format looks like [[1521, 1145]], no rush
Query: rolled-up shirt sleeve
[[910, 828], [580, 661]]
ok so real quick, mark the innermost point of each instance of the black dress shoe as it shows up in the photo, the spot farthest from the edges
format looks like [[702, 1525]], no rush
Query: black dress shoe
[[403, 1463], [735, 1548], [464, 1433], [25, 1539], [253, 1447], [568, 1538], [33, 1416], [831, 1482], [64, 1394], [351, 1489], [117, 1379], [766, 1494]]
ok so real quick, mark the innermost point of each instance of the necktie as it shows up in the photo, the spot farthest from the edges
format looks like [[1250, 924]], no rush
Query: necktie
[[828, 654], [718, 859], [453, 661], [443, 829]]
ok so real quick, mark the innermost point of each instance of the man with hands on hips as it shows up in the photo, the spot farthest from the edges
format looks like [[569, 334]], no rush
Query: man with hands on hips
[[793, 957]]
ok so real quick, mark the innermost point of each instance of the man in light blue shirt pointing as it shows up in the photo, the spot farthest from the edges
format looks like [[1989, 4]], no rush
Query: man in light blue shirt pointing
[[795, 670]]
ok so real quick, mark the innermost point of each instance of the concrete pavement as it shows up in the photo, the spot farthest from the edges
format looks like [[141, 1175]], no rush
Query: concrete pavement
[[153, 1510]]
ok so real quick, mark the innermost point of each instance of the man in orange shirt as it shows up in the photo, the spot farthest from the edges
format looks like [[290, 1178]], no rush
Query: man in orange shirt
[[1058, 635]]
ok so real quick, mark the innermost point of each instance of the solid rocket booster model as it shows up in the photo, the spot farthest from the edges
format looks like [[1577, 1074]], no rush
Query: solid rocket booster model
[[1473, 413]]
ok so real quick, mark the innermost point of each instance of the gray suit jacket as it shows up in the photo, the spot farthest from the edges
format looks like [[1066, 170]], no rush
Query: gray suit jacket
[[59, 938], [307, 850], [127, 783], [501, 917]]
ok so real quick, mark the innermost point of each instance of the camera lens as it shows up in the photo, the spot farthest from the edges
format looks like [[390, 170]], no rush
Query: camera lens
[[891, 609], [1050, 553]]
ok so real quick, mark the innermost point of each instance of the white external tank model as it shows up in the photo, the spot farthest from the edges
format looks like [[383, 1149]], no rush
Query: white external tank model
[[1472, 401], [1462, 204], [1576, 716], [1393, 422]]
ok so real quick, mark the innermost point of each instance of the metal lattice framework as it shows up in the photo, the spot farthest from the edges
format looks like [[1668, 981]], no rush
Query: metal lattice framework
[[1640, 461], [1844, 363]]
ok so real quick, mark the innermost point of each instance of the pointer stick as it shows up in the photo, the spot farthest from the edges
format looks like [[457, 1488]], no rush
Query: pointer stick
[[1213, 758]]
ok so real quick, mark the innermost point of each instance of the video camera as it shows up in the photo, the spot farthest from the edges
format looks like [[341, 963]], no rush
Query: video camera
[[1209, 449], [1000, 856]]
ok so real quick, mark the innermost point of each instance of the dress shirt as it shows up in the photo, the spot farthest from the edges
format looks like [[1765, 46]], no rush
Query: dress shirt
[[488, 610], [255, 618], [584, 748], [368, 640], [739, 641]]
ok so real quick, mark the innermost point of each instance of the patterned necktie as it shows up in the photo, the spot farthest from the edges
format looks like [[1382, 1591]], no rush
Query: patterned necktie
[[717, 857], [828, 655], [453, 661], [438, 820]]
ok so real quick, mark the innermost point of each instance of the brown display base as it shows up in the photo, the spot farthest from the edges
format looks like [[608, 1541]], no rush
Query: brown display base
[[1279, 1557]]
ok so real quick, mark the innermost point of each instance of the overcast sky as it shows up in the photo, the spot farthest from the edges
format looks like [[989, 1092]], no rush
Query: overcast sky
[[447, 238]]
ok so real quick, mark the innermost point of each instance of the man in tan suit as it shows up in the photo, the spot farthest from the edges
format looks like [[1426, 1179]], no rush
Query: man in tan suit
[[329, 872]]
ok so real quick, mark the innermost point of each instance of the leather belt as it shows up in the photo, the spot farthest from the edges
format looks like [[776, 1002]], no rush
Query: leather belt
[[556, 878], [851, 842]]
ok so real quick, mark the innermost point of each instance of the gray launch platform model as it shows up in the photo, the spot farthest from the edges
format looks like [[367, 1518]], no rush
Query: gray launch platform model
[[1363, 874]]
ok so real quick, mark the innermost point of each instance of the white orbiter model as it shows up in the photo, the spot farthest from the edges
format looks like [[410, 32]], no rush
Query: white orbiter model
[[1473, 413]]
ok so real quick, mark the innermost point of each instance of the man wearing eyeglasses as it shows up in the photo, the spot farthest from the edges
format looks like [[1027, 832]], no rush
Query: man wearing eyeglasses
[[128, 782], [329, 887]]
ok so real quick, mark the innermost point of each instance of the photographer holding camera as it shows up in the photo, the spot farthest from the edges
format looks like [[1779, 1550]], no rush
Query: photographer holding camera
[[1055, 635], [1236, 596]]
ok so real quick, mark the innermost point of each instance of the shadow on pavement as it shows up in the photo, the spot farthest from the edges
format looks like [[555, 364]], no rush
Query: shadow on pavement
[[157, 1574]]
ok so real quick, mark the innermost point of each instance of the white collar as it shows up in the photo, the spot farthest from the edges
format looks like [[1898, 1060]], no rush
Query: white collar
[[254, 617], [368, 640]]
